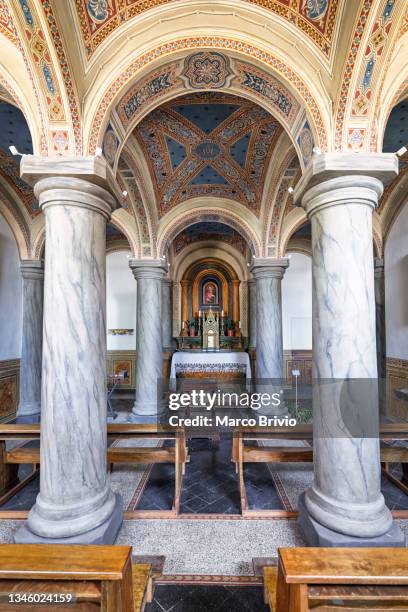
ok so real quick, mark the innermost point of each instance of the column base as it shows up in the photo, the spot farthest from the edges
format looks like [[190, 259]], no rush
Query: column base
[[316, 534], [104, 534], [29, 409], [148, 409]]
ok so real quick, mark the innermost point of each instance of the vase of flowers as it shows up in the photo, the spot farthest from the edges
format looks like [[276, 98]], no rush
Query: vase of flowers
[[192, 327], [230, 327]]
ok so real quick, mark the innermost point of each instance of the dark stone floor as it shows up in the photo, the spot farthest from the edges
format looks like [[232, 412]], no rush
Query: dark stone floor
[[210, 485], [177, 598]]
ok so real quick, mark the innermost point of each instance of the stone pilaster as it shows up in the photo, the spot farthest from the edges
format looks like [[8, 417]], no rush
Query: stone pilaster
[[29, 408], [149, 274], [345, 505], [167, 313], [75, 503], [252, 312], [268, 274]]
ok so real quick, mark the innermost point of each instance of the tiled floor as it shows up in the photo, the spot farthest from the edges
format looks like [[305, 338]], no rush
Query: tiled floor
[[210, 485], [207, 599]]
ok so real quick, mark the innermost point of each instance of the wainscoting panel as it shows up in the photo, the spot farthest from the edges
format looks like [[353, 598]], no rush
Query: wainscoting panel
[[9, 388], [298, 360]]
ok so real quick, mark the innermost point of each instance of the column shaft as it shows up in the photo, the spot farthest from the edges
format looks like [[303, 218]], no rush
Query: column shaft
[[345, 496], [167, 313], [149, 363], [252, 312], [380, 317], [235, 299], [75, 502], [269, 345], [184, 301], [31, 350]]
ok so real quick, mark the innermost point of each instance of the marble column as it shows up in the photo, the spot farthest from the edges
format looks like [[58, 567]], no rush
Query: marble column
[[235, 301], [252, 312], [184, 302], [29, 408], [345, 505], [149, 274], [379, 289], [268, 274], [75, 503], [167, 313]]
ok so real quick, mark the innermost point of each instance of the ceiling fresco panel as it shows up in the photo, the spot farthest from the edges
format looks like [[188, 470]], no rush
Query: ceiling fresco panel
[[99, 18]]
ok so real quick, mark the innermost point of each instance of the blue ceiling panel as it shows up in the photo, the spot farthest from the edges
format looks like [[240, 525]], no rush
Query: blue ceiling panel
[[239, 149], [176, 150], [208, 176], [206, 116], [14, 129], [396, 132]]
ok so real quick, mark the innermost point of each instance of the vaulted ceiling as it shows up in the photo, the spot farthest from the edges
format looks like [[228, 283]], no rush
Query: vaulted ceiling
[[208, 144], [209, 231], [99, 18]]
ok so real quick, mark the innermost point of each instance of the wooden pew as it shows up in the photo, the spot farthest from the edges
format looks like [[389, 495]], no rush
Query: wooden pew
[[338, 578], [252, 453], [99, 577], [115, 455]]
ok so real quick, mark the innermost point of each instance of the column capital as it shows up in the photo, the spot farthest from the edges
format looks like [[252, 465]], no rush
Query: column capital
[[269, 267], [382, 166], [344, 178], [87, 182], [168, 282], [32, 268], [154, 269]]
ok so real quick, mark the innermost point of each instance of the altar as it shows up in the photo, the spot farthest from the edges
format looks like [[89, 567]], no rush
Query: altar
[[195, 364]]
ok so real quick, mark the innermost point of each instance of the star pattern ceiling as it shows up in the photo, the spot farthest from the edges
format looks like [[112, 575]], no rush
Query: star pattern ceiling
[[209, 230], [208, 144]]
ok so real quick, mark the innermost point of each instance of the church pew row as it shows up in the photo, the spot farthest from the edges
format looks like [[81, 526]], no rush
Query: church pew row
[[323, 579], [177, 455], [252, 453], [85, 578]]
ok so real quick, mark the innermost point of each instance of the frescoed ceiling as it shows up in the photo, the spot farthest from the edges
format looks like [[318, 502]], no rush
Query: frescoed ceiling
[[209, 230], [315, 18], [208, 144]]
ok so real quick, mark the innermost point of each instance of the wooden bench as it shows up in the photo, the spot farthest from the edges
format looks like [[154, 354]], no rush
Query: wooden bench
[[98, 577], [253, 453], [338, 578], [177, 455]]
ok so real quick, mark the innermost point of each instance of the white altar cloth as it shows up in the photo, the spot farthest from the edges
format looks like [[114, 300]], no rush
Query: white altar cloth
[[195, 361]]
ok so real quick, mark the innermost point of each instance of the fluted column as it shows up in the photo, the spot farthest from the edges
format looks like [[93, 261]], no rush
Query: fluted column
[[167, 313], [345, 503], [75, 503], [252, 312], [379, 289], [29, 408], [149, 364], [268, 274]]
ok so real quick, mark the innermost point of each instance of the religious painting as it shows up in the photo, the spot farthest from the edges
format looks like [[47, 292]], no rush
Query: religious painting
[[210, 294]]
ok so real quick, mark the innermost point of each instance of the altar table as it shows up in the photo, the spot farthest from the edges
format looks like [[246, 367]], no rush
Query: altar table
[[212, 362]]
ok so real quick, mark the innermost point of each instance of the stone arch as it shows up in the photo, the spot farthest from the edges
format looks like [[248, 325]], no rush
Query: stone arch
[[17, 224], [23, 92], [274, 66], [170, 230], [207, 250]]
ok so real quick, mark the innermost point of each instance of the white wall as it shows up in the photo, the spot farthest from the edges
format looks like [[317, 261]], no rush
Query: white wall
[[396, 287], [121, 300], [10, 295], [297, 303]]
